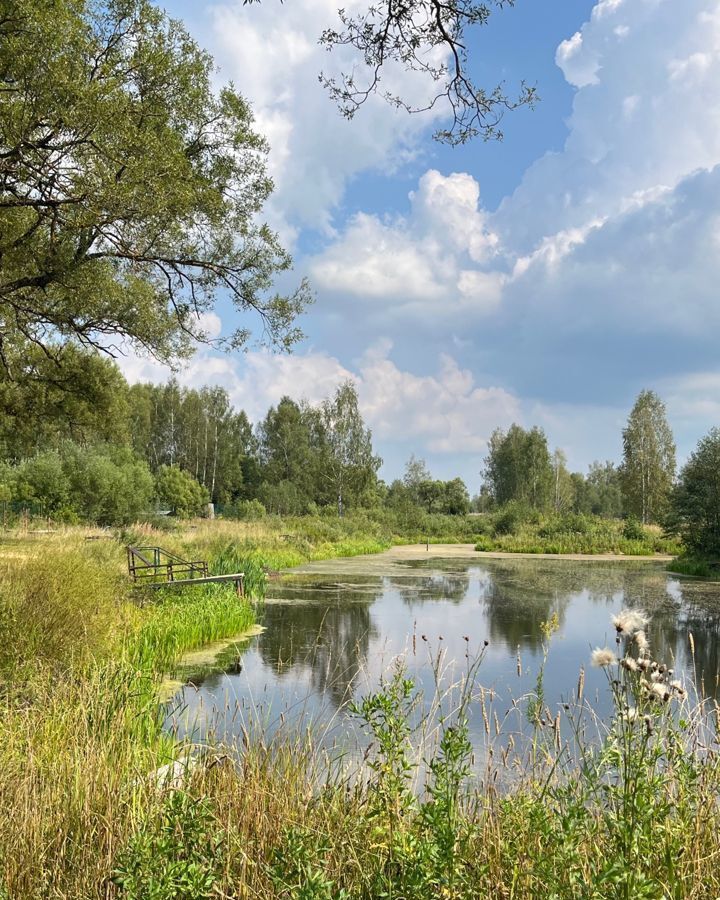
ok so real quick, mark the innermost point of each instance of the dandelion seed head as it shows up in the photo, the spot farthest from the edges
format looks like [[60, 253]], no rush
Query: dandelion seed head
[[603, 657], [630, 664]]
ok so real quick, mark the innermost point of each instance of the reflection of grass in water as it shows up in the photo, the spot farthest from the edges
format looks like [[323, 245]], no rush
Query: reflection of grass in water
[[620, 807], [696, 568], [220, 656]]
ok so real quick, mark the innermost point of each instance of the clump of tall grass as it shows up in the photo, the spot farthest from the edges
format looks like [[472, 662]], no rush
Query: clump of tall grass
[[72, 778], [80, 725], [59, 608], [178, 622]]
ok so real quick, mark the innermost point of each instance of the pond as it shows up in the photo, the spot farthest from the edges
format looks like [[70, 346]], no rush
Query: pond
[[333, 630]]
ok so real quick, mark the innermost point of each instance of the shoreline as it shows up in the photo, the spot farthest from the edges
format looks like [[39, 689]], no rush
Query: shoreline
[[391, 561], [468, 551]]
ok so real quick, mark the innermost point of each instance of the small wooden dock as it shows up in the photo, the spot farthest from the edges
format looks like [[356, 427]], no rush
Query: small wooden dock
[[154, 567]]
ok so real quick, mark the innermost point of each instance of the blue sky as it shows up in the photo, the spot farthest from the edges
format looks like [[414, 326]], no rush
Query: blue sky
[[546, 279]]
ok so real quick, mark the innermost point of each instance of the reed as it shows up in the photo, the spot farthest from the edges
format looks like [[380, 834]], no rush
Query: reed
[[176, 623]]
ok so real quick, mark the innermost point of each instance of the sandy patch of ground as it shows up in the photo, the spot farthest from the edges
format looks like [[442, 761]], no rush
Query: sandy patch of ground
[[468, 551], [393, 562]]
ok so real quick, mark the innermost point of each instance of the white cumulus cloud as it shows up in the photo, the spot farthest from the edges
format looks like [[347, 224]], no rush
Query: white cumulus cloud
[[272, 54], [422, 263]]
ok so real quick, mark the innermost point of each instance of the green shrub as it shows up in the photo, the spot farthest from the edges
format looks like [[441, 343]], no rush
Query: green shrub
[[177, 853], [512, 516], [179, 492], [633, 530]]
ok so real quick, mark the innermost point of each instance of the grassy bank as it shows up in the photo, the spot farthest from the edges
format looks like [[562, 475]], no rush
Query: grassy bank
[[80, 728], [624, 807], [697, 567], [279, 542], [520, 531]]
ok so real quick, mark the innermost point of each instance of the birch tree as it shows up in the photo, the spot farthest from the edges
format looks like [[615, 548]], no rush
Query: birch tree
[[648, 467], [349, 465]]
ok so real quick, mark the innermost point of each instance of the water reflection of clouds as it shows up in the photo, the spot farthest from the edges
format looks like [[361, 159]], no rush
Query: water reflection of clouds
[[330, 639]]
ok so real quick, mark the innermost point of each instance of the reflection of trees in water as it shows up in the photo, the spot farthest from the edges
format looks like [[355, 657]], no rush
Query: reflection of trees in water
[[522, 594], [515, 612], [670, 642], [449, 586], [328, 640]]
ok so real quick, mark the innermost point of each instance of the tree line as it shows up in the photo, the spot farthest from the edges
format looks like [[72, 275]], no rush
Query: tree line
[[520, 467], [645, 486], [117, 452]]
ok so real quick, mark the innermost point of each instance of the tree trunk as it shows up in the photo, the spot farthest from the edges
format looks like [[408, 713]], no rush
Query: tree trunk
[[206, 452], [215, 455]]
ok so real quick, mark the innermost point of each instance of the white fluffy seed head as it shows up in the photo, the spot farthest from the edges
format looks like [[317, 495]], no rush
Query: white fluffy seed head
[[642, 642], [659, 691], [629, 621], [603, 657]]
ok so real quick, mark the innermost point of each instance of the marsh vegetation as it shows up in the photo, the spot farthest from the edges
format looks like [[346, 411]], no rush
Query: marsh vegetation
[[447, 796]]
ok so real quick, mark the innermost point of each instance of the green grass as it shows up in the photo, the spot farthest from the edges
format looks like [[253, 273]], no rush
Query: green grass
[[698, 568], [512, 531], [179, 622]]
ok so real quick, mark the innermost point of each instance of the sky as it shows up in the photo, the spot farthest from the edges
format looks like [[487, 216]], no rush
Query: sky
[[545, 279]]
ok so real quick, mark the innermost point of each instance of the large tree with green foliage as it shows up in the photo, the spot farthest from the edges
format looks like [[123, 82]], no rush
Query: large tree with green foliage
[[518, 467], [129, 188], [83, 399], [648, 466], [599, 492], [695, 501], [416, 473], [349, 466], [289, 467]]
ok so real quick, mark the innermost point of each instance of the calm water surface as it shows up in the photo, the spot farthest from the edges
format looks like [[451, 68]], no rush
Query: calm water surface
[[333, 631]]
